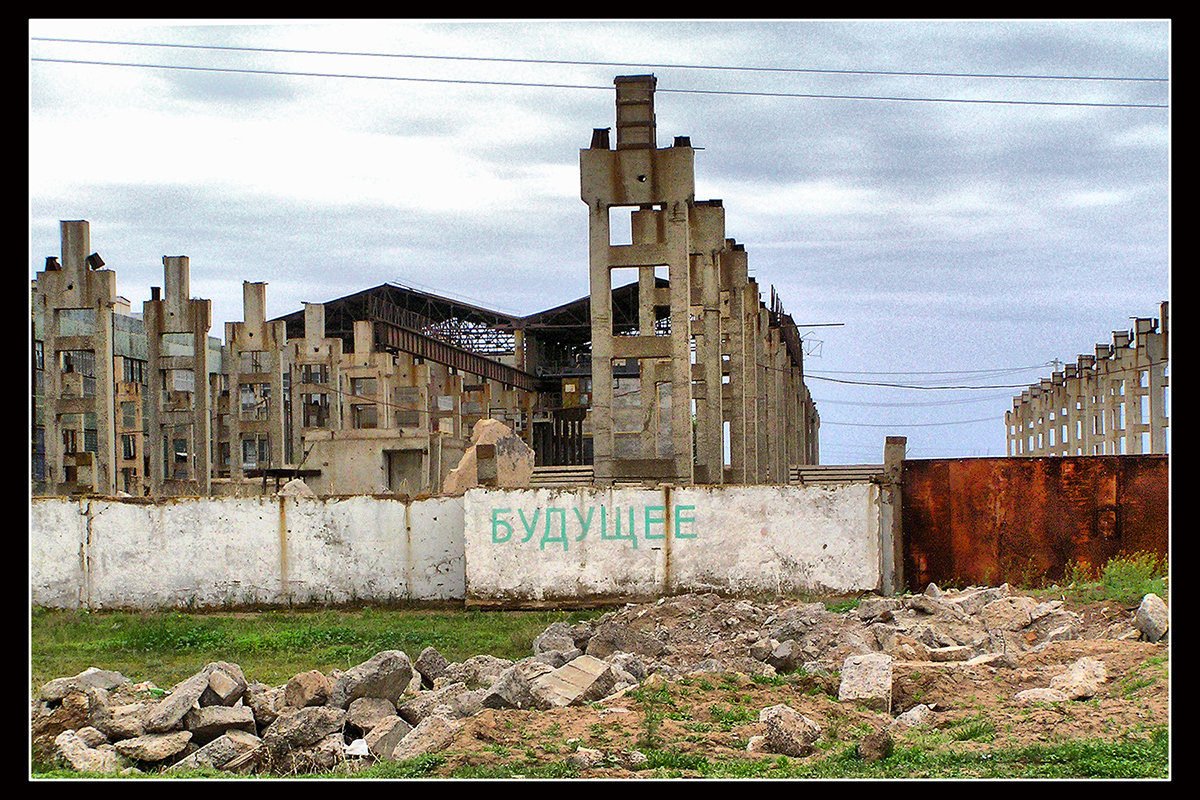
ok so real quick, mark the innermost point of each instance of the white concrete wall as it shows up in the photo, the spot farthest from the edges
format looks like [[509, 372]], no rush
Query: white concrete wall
[[735, 539], [206, 552], [491, 546]]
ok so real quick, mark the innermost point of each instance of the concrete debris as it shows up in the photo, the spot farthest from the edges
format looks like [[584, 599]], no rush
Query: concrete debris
[[306, 689], [867, 680], [390, 707], [1040, 695], [1152, 618], [1081, 680], [788, 732], [495, 457], [919, 716], [296, 488], [386, 674], [876, 746]]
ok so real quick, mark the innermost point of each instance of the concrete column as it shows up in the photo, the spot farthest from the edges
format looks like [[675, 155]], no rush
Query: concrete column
[[892, 548]]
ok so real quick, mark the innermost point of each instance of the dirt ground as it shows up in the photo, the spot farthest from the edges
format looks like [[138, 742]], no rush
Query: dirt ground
[[715, 714]]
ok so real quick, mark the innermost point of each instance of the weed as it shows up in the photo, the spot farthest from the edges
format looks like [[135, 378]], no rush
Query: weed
[[1123, 579], [727, 718], [973, 729], [1131, 578], [843, 606]]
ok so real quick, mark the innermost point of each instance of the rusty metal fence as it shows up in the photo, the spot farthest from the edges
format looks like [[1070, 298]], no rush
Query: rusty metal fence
[[1024, 520]]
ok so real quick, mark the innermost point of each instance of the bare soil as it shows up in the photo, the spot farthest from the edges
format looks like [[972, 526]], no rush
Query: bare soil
[[715, 714]]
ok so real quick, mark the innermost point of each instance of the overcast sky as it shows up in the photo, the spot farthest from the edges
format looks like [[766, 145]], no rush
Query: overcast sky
[[924, 241]]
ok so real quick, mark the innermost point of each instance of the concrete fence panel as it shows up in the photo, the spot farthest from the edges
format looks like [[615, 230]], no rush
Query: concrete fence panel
[[560, 546]]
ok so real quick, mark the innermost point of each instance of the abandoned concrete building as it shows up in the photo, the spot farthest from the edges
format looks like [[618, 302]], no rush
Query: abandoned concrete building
[[1112, 402], [673, 368]]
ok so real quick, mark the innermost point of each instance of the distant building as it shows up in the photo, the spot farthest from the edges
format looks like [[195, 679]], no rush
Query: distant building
[[1112, 402]]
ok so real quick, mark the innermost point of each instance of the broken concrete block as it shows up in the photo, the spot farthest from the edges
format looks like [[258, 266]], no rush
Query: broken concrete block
[[70, 748], [367, 712], [953, 653], [433, 734], [154, 746], [580, 681], [1153, 618], [514, 688], [223, 689], [301, 728], [508, 461], [385, 674], [613, 637], [1040, 695], [419, 707], [919, 716], [431, 665], [226, 684], [1081, 680], [386, 735], [1008, 613], [220, 751], [208, 722], [169, 712], [309, 688], [788, 732], [92, 677], [867, 679], [477, 672]]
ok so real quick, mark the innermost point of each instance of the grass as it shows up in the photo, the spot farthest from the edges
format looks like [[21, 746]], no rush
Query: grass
[[270, 646], [1128, 757], [1124, 579]]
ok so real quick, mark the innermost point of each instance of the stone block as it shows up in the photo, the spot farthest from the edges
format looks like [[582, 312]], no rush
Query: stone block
[[867, 679]]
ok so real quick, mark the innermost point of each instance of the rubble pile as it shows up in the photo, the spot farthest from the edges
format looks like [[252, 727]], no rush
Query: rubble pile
[[391, 707]]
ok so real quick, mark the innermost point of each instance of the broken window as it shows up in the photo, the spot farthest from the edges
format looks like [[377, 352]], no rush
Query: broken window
[[314, 373], [256, 452], [254, 400], [365, 415], [315, 410], [134, 371], [363, 388]]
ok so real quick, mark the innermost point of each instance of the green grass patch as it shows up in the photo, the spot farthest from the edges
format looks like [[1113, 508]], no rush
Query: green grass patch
[[974, 729], [726, 718], [843, 606], [1128, 757], [1125, 579], [270, 646]]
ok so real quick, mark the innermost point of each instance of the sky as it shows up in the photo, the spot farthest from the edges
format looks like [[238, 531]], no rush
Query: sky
[[938, 203]]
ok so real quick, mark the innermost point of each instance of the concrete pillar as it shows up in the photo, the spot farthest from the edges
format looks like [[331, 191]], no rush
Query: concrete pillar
[[892, 548], [175, 313]]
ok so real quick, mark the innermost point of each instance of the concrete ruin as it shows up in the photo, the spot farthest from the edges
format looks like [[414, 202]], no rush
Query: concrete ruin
[[1112, 402], [680, 375]]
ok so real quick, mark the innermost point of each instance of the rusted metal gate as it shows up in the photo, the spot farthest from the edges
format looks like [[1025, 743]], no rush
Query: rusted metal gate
[[984, 521]]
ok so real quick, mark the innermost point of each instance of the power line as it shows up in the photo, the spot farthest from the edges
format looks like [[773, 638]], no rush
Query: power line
[[530, 85], [996, 371], [909, 425], [923, 404], [910, 386], [712, 67]]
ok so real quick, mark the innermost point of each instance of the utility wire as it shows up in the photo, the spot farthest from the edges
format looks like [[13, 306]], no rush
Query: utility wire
[[523, 84], [924, 404], [714, 67], [907, 424], [996, 371], [911, 386]]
